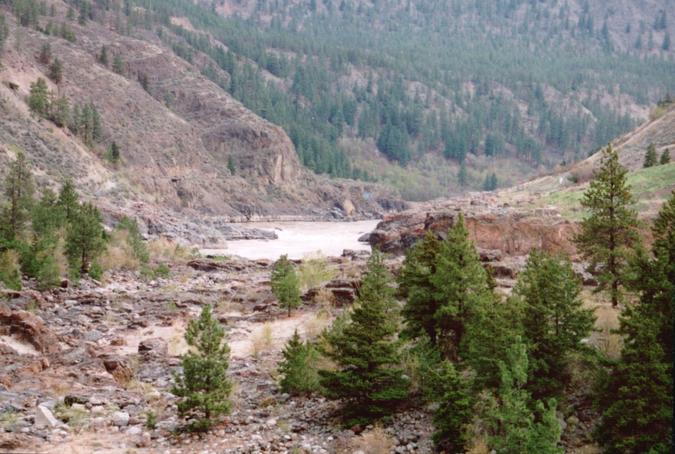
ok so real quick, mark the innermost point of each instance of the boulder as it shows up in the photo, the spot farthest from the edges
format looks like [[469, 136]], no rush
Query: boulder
[[29, 328], [120, 418], [155, 346]]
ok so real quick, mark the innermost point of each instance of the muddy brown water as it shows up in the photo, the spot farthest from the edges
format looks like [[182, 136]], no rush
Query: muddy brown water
[[300, 239]]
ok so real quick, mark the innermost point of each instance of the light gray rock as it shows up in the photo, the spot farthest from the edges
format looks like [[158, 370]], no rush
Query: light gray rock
[[120, 418], [44, 417]]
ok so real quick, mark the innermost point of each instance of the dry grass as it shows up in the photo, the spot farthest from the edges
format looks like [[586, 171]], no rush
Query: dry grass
[[262, 340], [314, 271], [165, 250], [607, 320], [119, 255], [376, 441], [315, 326]]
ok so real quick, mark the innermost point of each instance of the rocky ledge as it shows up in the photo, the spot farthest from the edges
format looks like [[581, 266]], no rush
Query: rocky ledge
[[493, 226]]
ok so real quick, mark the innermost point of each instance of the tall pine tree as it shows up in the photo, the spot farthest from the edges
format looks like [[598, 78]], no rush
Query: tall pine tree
[[368, 377], [461, 286], [637, 403], [18, 189], [609, 232], [554, 320], [415, 285]]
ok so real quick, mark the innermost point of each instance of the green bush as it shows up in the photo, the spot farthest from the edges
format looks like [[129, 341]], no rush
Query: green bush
[[298, 367], [10, 273]]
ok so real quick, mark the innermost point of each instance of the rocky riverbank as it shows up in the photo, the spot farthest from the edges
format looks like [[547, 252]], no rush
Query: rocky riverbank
[[89, 368]]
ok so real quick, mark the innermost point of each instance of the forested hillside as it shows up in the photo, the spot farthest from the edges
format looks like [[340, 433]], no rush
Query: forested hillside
[[464, 88], [431, 97]]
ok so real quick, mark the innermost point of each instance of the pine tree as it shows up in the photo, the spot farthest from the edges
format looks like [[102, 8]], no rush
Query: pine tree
[[637, 402], [56, 71], [462, 175], [203, 386], [416, 286], [118, 64], [103, 56], [45, 55], [554, 320], [19, 189], [230, 165], [59, 112], [38, 99], [461, 287], [665, 157], [650, 156], [513, 427], [85, 238], [68, 200], [609, 231], [298, 370], [114, 152], [285, 284], [454, 413], [493, 328], [368, 376]]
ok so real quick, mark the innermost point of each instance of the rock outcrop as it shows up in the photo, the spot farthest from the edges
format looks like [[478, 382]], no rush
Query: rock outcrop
[[495, 229], [29, 328]]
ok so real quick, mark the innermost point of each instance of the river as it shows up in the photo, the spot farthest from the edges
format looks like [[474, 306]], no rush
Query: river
[[300, 239]]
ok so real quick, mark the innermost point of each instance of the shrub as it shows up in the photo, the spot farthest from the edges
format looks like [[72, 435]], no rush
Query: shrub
[[376, 441], [262, 340], [119, 254], [314, 271], [298, 367], [165, 250], [10, 273]]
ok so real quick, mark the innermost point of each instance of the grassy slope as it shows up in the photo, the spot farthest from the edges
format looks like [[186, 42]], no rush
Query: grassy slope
[[650, 187]]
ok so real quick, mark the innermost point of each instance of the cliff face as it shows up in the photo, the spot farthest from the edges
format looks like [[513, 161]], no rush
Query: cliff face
[[188, 149], [492, 226]]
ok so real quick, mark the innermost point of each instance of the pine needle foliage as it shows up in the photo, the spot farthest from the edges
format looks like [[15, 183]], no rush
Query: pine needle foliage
[[285, 284], [203, 386], [368, 377], [609, 233]]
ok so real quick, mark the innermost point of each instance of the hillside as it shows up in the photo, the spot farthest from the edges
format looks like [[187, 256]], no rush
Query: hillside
[[187, 149], [543, 212], [407, 91]]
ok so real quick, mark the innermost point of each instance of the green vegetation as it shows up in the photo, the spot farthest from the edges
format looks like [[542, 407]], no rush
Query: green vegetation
[[637, 396], [364, 348], [285, 285], [298, 369], [46, 237], [610, 231], [203, 386], [650, 156], [553, 319]]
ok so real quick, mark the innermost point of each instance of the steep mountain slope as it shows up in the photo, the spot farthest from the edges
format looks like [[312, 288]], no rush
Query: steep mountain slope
[[187, 147], [507, 87]]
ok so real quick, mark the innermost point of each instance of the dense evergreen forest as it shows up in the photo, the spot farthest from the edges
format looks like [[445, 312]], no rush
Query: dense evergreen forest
[[537, 83]]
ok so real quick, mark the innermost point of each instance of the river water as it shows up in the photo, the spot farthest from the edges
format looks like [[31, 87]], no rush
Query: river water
[[300, 239]]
